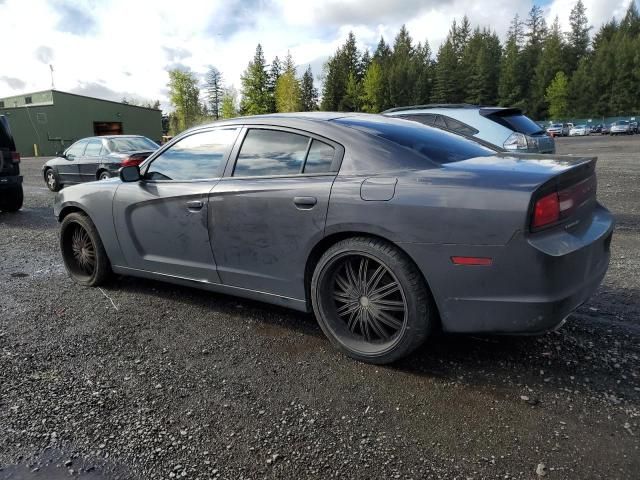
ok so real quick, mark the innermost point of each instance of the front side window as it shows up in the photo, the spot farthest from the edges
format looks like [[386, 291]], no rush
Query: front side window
[[271, 152], [94, 147], [196, 157], [77, 149]]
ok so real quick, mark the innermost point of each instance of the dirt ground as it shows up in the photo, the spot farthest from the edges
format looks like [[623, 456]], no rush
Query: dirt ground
[[144, 380]]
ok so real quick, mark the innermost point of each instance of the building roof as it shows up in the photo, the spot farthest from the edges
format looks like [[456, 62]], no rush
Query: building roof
[[51, 101]]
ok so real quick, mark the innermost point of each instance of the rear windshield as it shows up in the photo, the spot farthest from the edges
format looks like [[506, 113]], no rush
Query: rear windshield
[[131, 144], [6, 140], [518, 123], [432, 143]]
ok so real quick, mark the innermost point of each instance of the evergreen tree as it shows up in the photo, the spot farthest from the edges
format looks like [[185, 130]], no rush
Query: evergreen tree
[[274, 73], [551, 61], [215, 91], [423, 67], [373, 89], [288, 93], [346, 62], [556, 95], [309, 93], [402, 74], [480, 65], [352, 100], [446, 88], [578, 36], [228, 105], [255, 92], [535, 35], [511, 88]]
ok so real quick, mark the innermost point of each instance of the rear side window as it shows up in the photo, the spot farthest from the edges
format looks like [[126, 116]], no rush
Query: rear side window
[[196, 157], [94, 148], [424, 118], [518, 123], [459, 127], [437, 145], [319, 158], [271, 152]]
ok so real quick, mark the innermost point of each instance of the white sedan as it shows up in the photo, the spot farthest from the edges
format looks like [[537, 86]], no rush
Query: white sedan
[[579, 130]]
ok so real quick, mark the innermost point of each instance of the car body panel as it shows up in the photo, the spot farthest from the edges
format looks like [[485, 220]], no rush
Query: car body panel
[[259, 240]]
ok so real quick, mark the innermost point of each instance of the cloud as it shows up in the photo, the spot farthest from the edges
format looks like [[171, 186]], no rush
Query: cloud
[[175, 54], [44, 54], [238, 15], [74, 19], [14, 83]]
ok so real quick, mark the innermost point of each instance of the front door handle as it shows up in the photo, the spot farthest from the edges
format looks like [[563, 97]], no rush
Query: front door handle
[[305, 202], [195, 205]]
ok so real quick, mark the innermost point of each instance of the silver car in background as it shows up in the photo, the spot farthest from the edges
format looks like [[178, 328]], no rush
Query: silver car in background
[[506, 128], [558, 129], [621, 127], [579, 130]]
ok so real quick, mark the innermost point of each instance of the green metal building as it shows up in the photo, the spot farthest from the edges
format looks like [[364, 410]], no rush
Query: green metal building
[[45, 122]]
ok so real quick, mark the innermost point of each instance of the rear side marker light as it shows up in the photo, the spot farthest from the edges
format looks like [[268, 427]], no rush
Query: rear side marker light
[[131, 162], [546, 210], [476, 261], [15, 157]]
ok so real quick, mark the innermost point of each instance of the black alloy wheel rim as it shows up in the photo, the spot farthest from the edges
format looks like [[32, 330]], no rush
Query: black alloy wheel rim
[[80, 252], [366, 305]]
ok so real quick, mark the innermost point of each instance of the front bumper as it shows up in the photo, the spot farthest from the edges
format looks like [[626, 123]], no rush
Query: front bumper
[[10, 181], [534, 283]]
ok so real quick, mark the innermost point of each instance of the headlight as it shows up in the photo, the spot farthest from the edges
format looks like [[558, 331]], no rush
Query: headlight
[[516, 141]]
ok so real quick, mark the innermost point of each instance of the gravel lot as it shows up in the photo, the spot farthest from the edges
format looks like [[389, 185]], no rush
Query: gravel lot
[[143, 380]]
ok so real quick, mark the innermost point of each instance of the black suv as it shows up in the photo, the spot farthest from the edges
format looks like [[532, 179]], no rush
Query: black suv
[[10, 180]]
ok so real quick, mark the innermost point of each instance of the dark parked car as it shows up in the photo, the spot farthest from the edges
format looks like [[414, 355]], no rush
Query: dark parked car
[[96, 158], [606, 129], [385, 228], [596, 128], [11, 194]]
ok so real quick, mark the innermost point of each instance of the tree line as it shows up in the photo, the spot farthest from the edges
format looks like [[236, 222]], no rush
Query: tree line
[[547, 72]]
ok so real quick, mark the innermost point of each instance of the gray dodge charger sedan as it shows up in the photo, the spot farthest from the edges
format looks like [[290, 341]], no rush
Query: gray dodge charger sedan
[[386, 229]]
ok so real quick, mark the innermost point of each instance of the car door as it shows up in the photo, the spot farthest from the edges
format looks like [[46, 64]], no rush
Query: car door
[[270, 208], [88, 163], [68, 170], [162, 220]]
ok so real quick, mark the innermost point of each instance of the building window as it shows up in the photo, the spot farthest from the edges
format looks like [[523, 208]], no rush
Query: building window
[[28, 100], [1, 103]]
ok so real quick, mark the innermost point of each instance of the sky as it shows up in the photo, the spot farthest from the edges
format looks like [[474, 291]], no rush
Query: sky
[[123, 48]]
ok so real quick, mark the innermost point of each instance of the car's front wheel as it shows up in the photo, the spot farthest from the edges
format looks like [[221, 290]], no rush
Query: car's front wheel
[[104, 175], [83, 253], [371, 300], [52, 181]]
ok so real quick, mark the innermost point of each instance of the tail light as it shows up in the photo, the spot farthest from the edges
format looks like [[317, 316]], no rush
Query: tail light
[[516, 141], [556, 206], [131, 161], [15, 157]]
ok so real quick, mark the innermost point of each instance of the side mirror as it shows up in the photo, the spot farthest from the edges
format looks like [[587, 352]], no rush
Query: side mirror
[[130, 173], [61, 154]]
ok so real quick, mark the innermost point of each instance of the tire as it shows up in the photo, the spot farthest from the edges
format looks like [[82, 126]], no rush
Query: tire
[[378, 317], [103, 175], [52, 180], [82, 250], [12, 199]]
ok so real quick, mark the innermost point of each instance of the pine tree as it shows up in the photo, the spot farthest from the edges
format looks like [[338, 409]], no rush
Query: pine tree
[[535, 35], [228, 104], [274, 73], [481, 66], [288, 93], [255, 93], [346, 62], [423, 67], [352, 100], [402, 74], [510, 89], [309, 93], [373, 88], [578, 36], [551, 61], [215, 91], [556, 96]]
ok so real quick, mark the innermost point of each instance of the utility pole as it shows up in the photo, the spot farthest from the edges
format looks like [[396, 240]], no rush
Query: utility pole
[[53, 87]]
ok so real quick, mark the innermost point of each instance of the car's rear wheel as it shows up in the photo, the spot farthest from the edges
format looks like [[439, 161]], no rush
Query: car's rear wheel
[[83, 253], [53, 183], [104, 175], [12, 199], [371, 301]]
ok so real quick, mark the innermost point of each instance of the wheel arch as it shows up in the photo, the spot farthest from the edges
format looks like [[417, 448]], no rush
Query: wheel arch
[[71, 209], [326, 242]]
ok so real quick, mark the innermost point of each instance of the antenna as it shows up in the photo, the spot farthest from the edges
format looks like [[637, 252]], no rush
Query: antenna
[[53, 87]]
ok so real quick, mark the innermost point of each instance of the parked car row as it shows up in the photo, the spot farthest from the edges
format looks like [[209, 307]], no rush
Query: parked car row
[[620, 127]]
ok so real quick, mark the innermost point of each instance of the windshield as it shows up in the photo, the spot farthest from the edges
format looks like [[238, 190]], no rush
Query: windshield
[[556, 125], [580, 126], [435, 144], [131, 144], [622, 122]]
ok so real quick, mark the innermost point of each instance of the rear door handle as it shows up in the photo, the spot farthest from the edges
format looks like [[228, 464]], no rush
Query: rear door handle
[[305, 202], [194, 205]]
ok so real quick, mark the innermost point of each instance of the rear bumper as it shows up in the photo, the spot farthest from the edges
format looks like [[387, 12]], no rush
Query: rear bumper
[[10, 181], [532, 285]]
